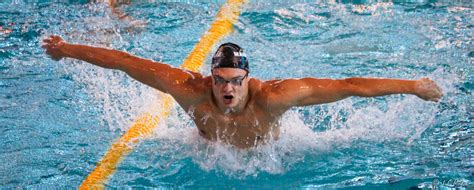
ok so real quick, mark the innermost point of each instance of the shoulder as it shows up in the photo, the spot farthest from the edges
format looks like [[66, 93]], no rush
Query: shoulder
[[268, 87], [255, 84], [197, 88], [194, 78], [273, 86], [198, 84], [261, 89], [264, 92], [281, 94]]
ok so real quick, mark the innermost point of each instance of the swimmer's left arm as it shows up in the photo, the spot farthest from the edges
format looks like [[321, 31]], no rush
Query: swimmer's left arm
[[309, 91], [424, 88]]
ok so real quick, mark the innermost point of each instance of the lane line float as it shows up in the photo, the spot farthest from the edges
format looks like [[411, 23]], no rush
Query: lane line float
[[145, 125]]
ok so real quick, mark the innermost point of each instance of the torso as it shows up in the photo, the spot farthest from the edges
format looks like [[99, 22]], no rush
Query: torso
[[254, 125]]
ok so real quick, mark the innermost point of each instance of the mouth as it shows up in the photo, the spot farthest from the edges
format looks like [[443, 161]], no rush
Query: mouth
[[228, 99]]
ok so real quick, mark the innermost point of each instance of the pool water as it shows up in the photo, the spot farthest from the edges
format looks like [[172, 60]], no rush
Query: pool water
[[57, 119]]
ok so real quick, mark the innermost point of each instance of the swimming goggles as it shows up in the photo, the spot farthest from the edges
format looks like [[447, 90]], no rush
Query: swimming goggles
[[235, 81]]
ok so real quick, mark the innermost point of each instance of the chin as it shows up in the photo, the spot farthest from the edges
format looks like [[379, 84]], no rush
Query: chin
[[231, 105]]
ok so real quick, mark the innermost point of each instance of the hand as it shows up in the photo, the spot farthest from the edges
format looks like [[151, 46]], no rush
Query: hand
[[53, 45], [427, 90]]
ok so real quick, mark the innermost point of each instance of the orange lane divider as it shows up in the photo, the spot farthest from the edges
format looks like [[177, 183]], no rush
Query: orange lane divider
[[144, 125]]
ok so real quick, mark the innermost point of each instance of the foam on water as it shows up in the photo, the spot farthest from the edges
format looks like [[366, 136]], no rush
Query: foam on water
[[118, 98]]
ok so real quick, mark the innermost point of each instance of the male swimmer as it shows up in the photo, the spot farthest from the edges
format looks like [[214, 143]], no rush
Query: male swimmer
[[229, 106]]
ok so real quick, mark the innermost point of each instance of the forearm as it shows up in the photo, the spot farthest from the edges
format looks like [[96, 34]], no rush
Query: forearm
[[106, 58], [369, 87]]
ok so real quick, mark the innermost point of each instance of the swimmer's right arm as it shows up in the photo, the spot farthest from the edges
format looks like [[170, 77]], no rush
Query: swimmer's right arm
[[157, 75], [57, 49]]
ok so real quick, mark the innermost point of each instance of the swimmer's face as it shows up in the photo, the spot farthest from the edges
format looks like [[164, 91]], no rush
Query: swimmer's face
[[230, 86]]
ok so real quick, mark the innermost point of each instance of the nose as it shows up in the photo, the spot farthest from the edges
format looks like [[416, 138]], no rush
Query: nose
[[227, 87]]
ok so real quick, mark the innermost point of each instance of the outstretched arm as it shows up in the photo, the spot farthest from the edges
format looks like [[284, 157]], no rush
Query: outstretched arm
[[157, 75], [308, 91]]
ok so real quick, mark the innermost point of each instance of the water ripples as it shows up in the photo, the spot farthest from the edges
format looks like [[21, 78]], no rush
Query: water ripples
[[60, 117]]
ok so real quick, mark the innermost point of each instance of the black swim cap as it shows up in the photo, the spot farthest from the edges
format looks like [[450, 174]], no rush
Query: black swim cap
[[230, 55]]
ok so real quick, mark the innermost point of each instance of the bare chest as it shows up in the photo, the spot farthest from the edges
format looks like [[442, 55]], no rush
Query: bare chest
[[245, 129]]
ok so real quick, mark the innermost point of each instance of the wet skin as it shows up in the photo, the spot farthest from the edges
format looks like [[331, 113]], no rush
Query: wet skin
[[243, 120], [246, 114]]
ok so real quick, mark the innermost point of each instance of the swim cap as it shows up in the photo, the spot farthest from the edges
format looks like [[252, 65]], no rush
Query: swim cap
[[230, 55]]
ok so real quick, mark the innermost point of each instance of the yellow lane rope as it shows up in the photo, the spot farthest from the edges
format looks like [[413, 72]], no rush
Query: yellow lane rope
[[144, 125]]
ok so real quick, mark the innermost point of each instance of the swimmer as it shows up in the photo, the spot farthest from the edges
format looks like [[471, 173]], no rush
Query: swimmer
[[230, 106]]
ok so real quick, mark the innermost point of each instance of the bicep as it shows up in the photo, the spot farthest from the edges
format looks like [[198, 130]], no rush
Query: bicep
[[307, 91], [160, 76]]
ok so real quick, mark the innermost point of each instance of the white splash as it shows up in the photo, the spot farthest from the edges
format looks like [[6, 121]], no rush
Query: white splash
[[404, 120]]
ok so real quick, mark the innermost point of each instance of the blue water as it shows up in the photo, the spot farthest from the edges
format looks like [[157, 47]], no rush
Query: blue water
[[57, 119]]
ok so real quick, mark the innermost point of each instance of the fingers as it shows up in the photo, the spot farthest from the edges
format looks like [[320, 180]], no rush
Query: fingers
[[440, 91], [437, 93], [52, 39], [429, 90], [47, 46], [51, 45], [56, 38], [48, 52], [437, 89], [49, 39]]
